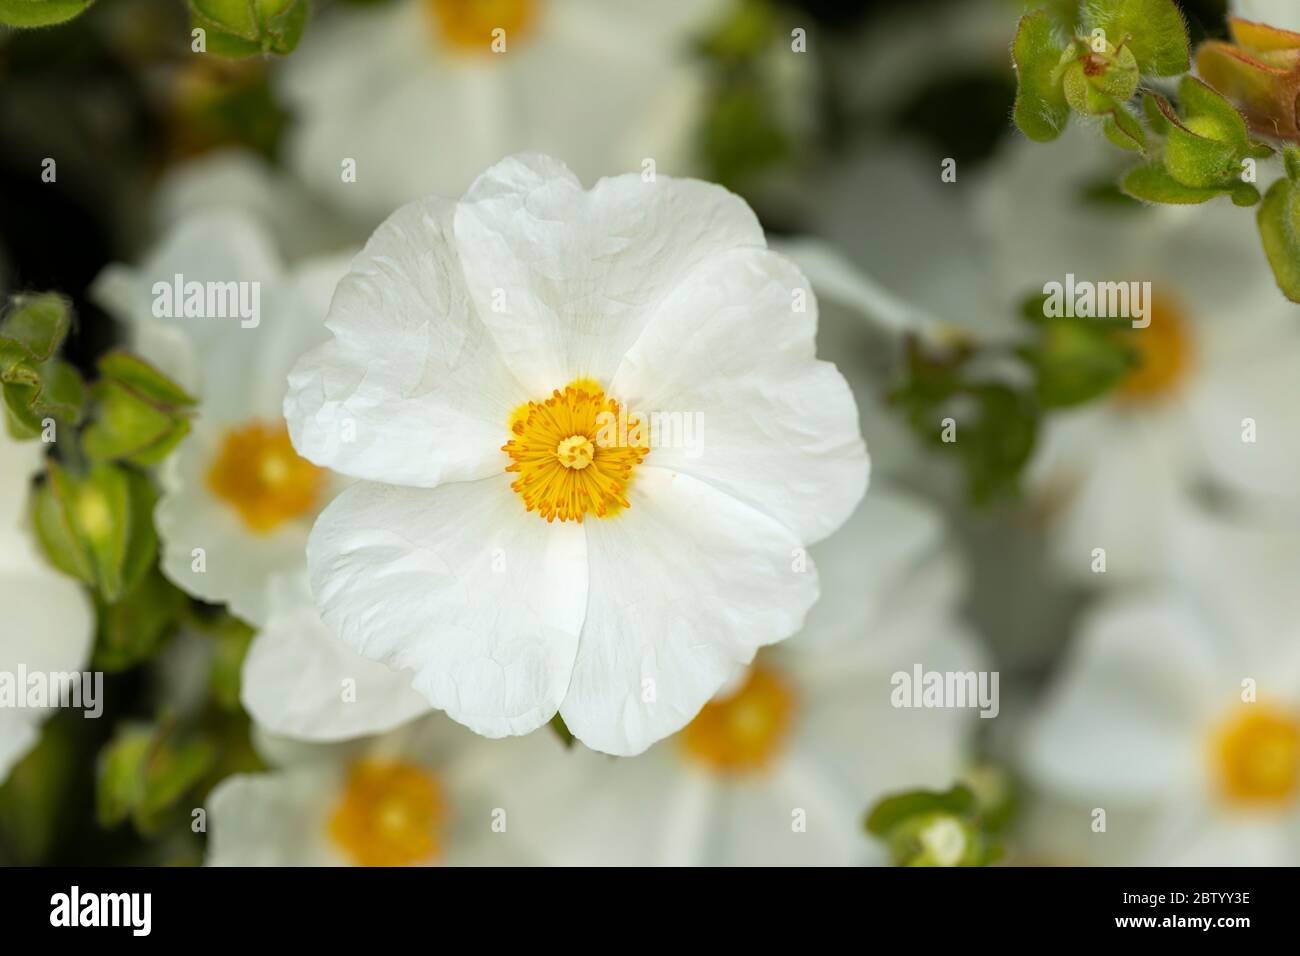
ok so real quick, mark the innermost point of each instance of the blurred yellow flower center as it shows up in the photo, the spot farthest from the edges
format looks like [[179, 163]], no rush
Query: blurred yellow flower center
[[390, 814], [1257, 754], [745, 731], [468, 25], [258, 473], [575, 453], [1164, 353]]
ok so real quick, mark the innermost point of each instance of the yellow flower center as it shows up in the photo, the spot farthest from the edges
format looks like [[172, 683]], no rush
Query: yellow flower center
[[575, 453], [467, 25], [258, 473], [1257, 756], [389, 815], [1164, 353], [743, 732]]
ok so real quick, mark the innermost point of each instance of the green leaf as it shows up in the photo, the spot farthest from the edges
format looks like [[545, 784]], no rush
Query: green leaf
[[1123, 129], [1152, 183], [1041, 110], [132, 629], [231, 638], [145, 770], [1279, 227], [40, 13], [141, 415], [34, 327], [1077, 360], [562, 731], [1153, 29], [99, 526], [890, 811], [242, 28]]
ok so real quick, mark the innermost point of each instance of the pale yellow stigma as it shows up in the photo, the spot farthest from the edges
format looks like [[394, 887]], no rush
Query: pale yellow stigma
[[258, 473], [575, 453], [743, 732], [1164, 351], [472, 26], [1256, 754], [388, 815]]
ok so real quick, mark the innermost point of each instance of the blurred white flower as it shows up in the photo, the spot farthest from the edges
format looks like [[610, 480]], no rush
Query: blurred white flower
[[1179, 711], [48, 621], [1276, 13], [1210, 406], [422, 94], [780, 768], [427, 793], [301, 224], [487, 355], [301, 681], [237, 501]]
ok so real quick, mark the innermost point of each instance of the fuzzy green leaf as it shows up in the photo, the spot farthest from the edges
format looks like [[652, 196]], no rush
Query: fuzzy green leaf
[[242, 28], [40, 13], [1279, 228], [1153, 29], [1041, 110]]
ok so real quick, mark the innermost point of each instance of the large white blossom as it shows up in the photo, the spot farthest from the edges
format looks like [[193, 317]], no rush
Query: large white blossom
[[479, 350], [48, 623], [415, 94]]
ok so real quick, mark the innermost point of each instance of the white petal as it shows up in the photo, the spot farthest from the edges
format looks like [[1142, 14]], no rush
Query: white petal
[[49, 626], [583, 272], [301, 680], [218, 245], [236, 561], [274, 819], [483, 601], [410, 390], [683, 585], [779, 429], [1126, 722]]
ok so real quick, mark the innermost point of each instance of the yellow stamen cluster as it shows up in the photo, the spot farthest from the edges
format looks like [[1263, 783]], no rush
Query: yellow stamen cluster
[[467, 25], [1164, 353], [258, 473], [743, 732], [575, 453], [389, 814], [1257, 754]]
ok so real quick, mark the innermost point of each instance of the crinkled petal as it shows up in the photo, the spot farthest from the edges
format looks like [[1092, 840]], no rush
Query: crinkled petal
[[730, 351], [482, 601], [410, 390], [566, 278], [683, 585]]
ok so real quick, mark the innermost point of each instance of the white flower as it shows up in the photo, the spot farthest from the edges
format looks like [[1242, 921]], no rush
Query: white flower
[[1276, 13], [415, 95], [48, 622], [427, 793], [781, 767], [237, 501], [1179, 713], [1210, 404], [484, 354]]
